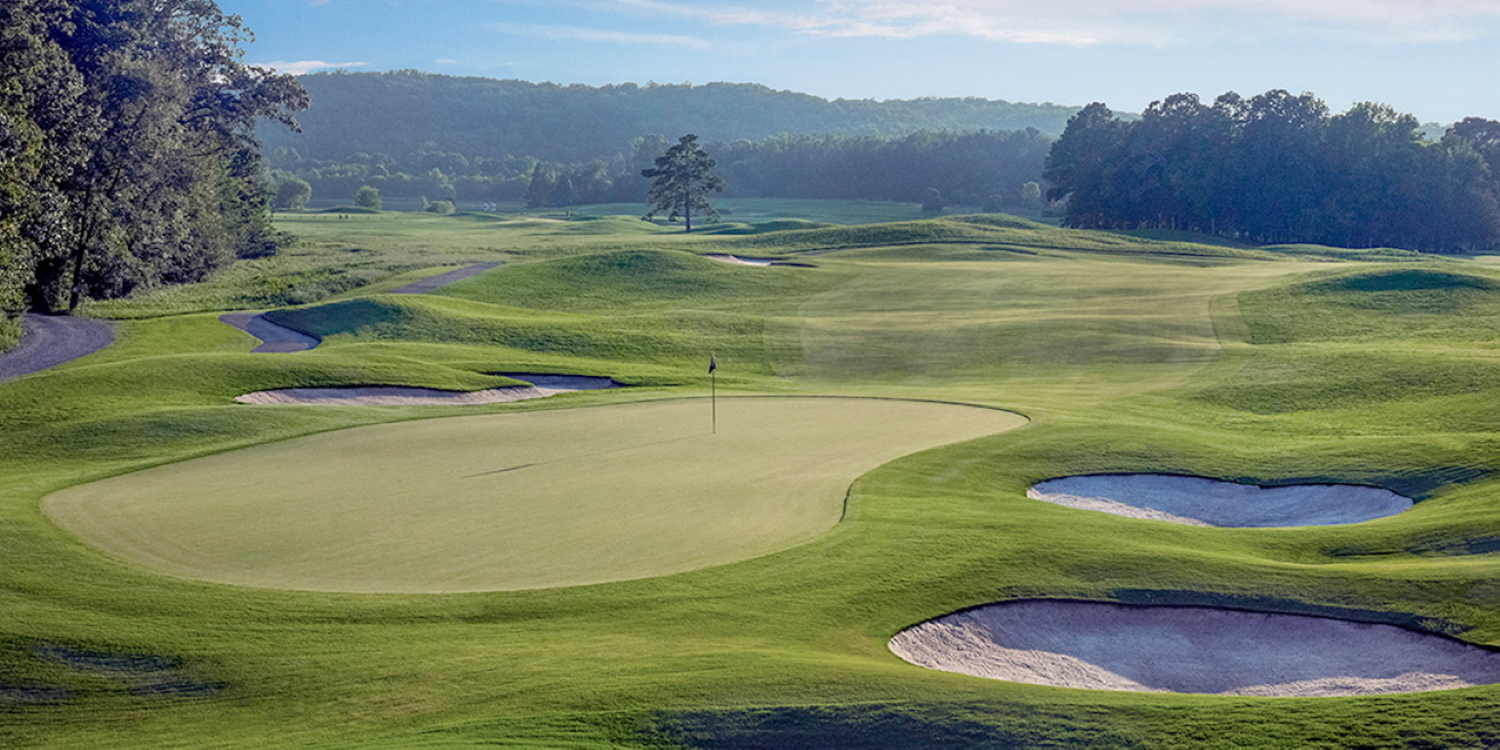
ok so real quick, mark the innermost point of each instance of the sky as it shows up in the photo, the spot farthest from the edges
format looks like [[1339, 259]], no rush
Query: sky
[[1435, 59]]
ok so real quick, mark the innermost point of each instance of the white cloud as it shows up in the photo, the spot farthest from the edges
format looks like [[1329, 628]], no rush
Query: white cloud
[[1137, 22], [299, 67], [1178, 21]]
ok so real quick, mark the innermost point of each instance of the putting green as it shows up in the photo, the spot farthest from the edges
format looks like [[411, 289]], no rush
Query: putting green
[[512, 501]]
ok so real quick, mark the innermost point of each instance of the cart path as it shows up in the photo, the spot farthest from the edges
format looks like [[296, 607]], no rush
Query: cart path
[[50, 340], [277, 338], [280, 339], [432, 283]]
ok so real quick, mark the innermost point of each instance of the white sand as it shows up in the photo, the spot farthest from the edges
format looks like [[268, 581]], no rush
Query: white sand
[[740, 261], [1211, 502], [541, 386], [1101, 646]]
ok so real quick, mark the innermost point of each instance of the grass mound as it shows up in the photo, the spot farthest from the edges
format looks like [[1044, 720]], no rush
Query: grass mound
[[609, 225], [1391, 303], [1405, 280], [351, 210], [661, 337], [766, 227], [997, 229], [637, 280]]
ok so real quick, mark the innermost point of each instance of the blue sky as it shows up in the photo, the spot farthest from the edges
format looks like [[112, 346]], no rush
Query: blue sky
[[1436, 59]]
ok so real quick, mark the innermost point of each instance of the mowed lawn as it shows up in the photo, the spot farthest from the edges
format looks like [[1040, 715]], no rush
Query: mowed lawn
[[513, 501], [1128, 355]]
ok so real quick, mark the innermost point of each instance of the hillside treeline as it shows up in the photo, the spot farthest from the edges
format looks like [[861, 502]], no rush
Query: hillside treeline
[[394, 114], [126, 157], [974, 168], [968, 168], [1280, 168]]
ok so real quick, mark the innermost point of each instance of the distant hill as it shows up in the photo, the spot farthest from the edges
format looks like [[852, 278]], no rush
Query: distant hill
[[397, 113]]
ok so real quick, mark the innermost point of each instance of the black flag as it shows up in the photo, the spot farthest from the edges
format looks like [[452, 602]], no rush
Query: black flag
[[713, 364]]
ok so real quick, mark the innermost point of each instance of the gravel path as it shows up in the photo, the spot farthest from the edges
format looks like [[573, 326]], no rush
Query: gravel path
[[50, 340], [432, 283], [276, 338], [1100, 646]]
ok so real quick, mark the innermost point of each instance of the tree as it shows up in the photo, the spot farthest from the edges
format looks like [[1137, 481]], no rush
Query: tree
[[1484, 136], [368, 196], [682, 179], [143, 114], [932, 201], [543, 185], [292, 192], [1081, 165], [1031, 195]]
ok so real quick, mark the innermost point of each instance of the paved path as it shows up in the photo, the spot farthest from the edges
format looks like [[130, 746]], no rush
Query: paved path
[[50, 340], [279, 338], [431, 283], [276, 338]]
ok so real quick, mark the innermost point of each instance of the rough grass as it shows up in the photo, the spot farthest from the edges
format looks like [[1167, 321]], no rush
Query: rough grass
[[1144, 358]]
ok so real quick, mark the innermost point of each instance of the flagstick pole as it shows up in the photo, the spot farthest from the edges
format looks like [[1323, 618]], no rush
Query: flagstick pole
[[713, 398]]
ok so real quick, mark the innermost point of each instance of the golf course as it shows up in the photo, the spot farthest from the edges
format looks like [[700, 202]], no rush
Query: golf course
[[846, 533]]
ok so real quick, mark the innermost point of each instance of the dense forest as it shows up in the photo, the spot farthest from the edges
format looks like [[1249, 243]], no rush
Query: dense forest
[[421, 136], [126, 156], [394, 114], [1280, 168], [980, 168]]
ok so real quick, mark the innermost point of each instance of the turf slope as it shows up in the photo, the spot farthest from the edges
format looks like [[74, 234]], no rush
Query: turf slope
[[512, 501]]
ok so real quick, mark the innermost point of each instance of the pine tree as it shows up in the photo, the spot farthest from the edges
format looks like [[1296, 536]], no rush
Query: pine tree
[[683, 178]]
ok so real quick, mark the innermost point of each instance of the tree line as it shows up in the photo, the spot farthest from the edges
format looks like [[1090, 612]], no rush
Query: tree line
[[984, 168], [1279, 168], [488, 120], [126, 150]]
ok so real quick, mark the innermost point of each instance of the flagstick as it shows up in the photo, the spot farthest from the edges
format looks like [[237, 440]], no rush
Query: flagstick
[[713, 398]]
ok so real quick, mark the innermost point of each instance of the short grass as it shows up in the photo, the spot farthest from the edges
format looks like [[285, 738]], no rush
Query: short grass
[[1128, 354], [539, 499], [751, 212]]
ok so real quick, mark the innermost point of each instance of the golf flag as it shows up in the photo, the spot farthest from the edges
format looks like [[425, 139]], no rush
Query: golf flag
[[713, 364]]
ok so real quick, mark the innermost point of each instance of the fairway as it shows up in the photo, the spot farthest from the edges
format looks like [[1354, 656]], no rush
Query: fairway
[[512, 501], [622, 576]]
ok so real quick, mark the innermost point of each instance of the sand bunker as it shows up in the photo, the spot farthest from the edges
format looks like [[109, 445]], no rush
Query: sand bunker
[[1099, 646], [541, 386], [1212, 502], [740, 260]]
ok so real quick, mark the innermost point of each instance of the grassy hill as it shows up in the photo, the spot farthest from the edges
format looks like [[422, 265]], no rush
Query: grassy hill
[[1125, 354]]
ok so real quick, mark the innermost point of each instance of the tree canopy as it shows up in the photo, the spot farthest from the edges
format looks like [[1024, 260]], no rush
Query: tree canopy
[[681, 181], [1281, 168], [394, 114], [127, 156]]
